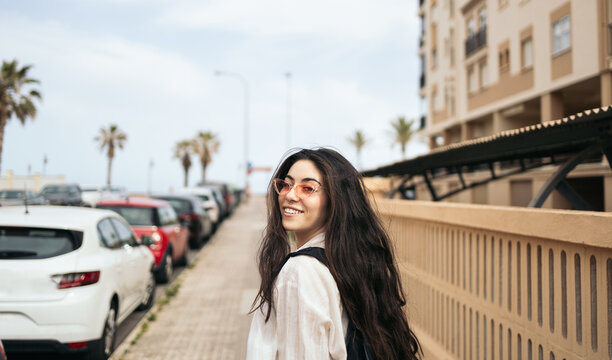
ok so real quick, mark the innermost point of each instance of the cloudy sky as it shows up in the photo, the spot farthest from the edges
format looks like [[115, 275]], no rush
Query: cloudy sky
[[149, 67]]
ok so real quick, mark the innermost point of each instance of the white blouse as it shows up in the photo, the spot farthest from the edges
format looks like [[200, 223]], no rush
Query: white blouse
[[308, 320]]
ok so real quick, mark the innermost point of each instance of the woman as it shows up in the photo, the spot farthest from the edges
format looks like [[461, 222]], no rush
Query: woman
[[303, 307]]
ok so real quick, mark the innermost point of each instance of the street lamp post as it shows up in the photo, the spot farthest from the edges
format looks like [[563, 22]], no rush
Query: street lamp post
[[288, 76], [245, 86]]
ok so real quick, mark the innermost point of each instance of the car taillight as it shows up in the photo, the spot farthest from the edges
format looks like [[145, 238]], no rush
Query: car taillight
[[190, 217], [77, 345], [71, 280]]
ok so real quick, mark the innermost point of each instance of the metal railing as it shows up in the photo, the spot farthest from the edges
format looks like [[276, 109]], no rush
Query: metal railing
[[487, 282], [476, 41]]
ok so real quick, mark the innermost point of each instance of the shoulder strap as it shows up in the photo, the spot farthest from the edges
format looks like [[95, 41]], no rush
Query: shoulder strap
[[316, 252]]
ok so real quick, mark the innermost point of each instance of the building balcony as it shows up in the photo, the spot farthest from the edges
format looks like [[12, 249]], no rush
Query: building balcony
[[476, 41]]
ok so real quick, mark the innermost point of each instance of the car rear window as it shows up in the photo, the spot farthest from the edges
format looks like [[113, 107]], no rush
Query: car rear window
[[181, 206], [204, 197], [37, 243], [11, 194], [135, 216]]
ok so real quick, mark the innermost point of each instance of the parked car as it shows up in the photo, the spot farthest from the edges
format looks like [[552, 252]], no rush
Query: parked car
[[62, 194], [20, 197], [91, 194], [157, 223], [192, 215], [2, 353], [208, 201], [68, 277], [227, 195], [220, 200]]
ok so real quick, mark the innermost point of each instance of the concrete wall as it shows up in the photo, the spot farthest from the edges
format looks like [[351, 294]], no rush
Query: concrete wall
[[490, 282], [33, 182]]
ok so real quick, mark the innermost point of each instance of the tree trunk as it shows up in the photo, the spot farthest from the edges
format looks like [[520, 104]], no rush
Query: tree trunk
[[108, 174], [186, 171], [3, 118]]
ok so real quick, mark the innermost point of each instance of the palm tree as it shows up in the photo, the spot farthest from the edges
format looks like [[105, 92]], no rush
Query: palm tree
[[182, 151], [402, 132], [12, 101], [204, 145], [109, 139], [358, 140]]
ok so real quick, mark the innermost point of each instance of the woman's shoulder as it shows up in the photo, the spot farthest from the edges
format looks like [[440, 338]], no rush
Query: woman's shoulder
[[304, 268]]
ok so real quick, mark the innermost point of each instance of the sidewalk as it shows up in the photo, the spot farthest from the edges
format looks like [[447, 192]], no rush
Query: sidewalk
[[208, 318]]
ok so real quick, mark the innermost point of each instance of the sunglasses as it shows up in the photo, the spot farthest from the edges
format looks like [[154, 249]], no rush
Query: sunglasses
[[282, 187]]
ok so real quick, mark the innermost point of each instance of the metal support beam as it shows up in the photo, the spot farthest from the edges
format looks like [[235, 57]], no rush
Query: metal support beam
[[562, 171], [606, 148], [492, 171], [400, 187], [577, 201], [460, 174], [432, 191]]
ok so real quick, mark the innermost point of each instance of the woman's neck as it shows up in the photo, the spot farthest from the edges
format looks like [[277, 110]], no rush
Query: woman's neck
[[302, 239]]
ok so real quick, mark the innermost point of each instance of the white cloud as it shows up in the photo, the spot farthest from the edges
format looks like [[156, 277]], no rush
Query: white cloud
[[92, 59], [345, 19]]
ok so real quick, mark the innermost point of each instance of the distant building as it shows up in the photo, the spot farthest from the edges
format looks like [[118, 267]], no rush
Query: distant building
[[494, 65], [32, 182]]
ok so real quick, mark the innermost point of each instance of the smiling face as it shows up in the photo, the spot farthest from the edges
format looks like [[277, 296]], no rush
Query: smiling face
[[305, 215]]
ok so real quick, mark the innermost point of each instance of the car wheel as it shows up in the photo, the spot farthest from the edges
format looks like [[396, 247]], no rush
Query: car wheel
[[103, 347], [183, 260], [166, 269], [195, 242], [149, 298]]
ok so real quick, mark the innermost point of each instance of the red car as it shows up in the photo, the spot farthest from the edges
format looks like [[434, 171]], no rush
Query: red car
[[157, 224]]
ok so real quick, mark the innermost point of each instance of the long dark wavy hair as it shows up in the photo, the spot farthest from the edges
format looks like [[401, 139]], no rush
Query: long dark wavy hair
[[359, 252]]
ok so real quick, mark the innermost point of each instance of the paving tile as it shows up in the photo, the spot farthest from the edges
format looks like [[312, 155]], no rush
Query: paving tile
[[208, 318]]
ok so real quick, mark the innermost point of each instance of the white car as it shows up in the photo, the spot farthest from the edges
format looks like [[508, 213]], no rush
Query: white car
[[68, 277], [92, 194], [208, 199]]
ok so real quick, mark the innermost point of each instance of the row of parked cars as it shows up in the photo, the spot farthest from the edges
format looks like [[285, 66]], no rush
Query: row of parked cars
[[70, 275]]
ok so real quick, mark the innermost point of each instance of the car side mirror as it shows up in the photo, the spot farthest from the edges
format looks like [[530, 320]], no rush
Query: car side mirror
[[146, 240]]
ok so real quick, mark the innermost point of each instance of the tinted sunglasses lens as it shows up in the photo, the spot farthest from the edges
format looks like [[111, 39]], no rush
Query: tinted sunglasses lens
[[305, 190], [280, 185]]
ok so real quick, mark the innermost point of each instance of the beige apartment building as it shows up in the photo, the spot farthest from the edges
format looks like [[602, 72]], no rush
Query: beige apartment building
[[489, 66]]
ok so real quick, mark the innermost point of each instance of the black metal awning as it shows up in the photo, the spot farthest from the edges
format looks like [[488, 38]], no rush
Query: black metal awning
[[568, 142]]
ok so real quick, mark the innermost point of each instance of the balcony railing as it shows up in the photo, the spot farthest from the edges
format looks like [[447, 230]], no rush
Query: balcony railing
[[492, 282], [476, 41]]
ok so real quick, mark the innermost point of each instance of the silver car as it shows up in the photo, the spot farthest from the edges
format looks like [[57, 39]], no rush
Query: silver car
[[20, 197]]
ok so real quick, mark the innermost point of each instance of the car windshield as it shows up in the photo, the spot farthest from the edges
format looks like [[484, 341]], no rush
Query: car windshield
[[36, 243], [135, 216], [181, 206], [11, 194], [55, 189]]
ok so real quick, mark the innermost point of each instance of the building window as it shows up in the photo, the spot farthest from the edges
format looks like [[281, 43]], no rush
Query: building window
[[452, 47], [434, 57], [471, 27], [527, 53], [471, 80], [482, 18], [434, 101], [561, 35], [504, 60], [483, 74]]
